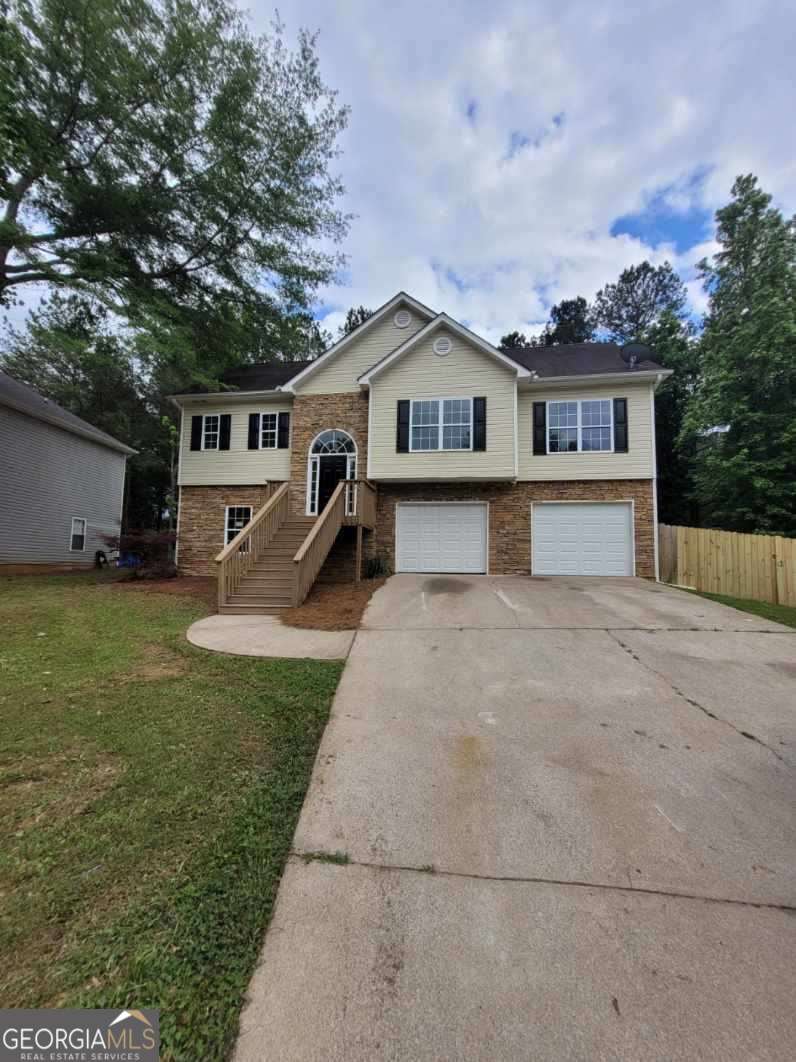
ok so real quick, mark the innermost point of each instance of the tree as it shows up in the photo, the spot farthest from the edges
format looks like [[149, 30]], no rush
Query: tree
[[628, 309], [676, 346], [513, 340], [570, 322], [746, 476], [356, 316], [72, 353], [154, 150]]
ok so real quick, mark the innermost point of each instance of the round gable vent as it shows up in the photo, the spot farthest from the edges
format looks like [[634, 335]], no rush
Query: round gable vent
[[442, 346], [402, 319]]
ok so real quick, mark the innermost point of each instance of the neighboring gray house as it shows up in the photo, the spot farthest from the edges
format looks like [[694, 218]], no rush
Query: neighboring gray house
[[61, 482]]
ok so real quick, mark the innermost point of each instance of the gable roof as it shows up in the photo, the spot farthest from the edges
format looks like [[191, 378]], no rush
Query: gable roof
[[24, 399], [401, 299], [443, 321], [577, 359]]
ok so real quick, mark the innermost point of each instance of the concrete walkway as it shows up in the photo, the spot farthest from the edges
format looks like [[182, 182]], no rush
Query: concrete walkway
[[567, 810], [267, 636]]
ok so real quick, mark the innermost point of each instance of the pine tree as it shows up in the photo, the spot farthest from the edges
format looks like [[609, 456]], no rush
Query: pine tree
[[746, 476]]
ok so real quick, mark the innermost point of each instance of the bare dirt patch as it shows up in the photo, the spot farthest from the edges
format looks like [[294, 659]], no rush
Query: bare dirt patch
[[334, 607]]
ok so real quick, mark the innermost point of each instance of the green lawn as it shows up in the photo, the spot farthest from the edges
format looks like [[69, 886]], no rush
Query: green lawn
[[148, 796], [778, 613]]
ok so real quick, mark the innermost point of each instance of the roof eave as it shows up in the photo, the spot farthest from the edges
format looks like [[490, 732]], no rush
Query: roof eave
[[273, 394], [650, 376]]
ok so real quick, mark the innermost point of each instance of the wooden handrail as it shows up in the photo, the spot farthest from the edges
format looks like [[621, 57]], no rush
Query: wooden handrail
[[245, 532], [314, 550], [239, 555], [321, 521]]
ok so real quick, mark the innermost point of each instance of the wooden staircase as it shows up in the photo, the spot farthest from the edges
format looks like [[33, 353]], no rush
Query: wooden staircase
[[268, 585], [273, 561]]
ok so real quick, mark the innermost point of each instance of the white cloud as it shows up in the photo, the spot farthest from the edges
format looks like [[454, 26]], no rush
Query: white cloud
[[650, 96]]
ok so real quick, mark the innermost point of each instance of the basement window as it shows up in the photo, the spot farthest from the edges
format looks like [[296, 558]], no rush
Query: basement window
[[237, 516]]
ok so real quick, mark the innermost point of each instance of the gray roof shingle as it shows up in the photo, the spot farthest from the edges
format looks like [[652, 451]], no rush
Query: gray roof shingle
[[265, 376], [24, 399], [576, 359]]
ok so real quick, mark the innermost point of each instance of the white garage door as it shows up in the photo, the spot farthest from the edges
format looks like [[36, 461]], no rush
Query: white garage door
[[440, 538], [592, 538]]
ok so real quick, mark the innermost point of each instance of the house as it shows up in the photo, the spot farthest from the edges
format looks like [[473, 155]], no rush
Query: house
[[465, 459], [61, 483]]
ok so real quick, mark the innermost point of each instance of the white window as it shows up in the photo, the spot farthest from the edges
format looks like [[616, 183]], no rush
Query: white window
[[580, 426], [268, 431], [77, 539], [441, 424], [237, 517], [210, 431]]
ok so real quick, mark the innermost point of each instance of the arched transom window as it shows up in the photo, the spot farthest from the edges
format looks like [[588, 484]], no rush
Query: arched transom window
[[334, 442], [332, 457]]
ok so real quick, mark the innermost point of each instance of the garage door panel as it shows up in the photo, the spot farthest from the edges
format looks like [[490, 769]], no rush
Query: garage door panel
[[441, 538], [580, 538]]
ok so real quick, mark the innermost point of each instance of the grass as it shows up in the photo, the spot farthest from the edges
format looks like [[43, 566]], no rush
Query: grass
[[148, 796], [778, 613]]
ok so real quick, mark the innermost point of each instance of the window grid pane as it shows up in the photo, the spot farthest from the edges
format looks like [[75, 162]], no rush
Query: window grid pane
[[210, 432], [579, 426], [441, 424], [563, 440], [268, 431], [425, 437]]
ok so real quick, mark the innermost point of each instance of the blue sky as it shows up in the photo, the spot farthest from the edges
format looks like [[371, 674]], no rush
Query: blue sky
[[503, 156]]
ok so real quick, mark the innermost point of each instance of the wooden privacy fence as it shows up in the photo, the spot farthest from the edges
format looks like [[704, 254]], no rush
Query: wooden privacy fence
[[759, 567]]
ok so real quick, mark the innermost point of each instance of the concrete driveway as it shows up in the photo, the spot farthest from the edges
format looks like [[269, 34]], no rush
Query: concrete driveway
[[567, 807]]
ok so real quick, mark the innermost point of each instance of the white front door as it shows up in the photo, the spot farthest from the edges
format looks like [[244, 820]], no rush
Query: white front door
[[582, 538], [444, 537]]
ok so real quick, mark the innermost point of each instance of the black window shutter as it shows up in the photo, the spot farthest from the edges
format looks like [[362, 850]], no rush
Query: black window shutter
[[539, 428], [402, 437], [196, 433], [226, 427], [283, 431], [620, 425], [254, 431], [479, 424]]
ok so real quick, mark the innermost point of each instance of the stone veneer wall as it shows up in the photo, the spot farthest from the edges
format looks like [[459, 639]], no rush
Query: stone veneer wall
[[313, 414], [201, 531], [510, 515]]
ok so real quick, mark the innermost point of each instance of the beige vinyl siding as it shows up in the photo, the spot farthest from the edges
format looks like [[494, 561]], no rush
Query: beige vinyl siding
[[239, 465], [637, 463], [465, 372], [342, 371]]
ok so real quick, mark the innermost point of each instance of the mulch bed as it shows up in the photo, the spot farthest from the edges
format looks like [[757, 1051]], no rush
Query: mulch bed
[[333, 607]]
